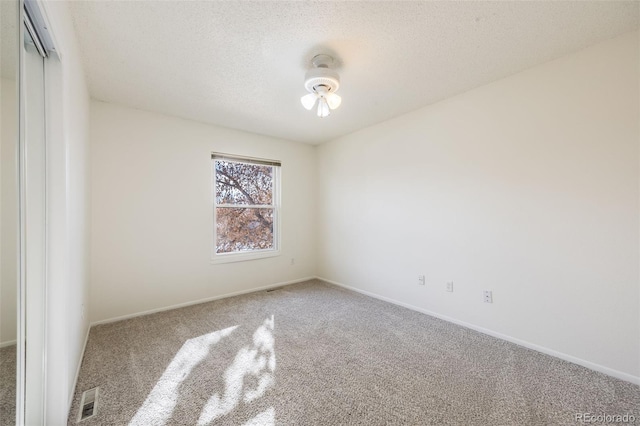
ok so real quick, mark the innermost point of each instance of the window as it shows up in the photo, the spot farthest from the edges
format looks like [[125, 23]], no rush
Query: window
[[246, 207]]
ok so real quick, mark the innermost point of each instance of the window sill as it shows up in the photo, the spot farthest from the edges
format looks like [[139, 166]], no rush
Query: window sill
[[242, 257]]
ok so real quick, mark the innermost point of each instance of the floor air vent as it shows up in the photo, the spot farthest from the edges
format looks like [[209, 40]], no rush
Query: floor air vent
[[88, 404]]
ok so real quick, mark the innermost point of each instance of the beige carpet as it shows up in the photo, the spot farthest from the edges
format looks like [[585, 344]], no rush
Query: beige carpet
[[8, 385], [315, 354]]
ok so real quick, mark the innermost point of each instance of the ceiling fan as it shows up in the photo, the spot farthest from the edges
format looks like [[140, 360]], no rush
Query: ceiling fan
[[322, 83]]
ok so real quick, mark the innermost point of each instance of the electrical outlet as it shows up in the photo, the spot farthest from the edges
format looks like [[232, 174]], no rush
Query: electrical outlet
[[450, 286], [293, 261], [488, 296], [421, 280]]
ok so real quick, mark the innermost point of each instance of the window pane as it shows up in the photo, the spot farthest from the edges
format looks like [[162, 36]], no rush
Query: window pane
[[242, 229], [240, 183]]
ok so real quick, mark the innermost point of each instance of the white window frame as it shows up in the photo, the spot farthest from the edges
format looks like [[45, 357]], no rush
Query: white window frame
[[275, 206]]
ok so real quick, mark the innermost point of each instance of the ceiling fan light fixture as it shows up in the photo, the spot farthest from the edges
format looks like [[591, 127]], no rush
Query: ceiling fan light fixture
[[321, 82]]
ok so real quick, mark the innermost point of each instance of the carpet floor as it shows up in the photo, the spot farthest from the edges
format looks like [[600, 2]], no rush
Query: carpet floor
[[315, 354], [8, 385]]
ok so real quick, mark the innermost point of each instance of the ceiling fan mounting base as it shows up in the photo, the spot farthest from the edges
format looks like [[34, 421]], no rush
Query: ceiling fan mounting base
[[322, 61]]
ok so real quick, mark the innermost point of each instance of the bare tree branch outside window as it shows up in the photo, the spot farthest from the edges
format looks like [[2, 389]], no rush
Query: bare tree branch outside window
[[244, 206]]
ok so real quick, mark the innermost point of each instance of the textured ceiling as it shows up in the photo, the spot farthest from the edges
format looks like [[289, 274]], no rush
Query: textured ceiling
[[241, 64]]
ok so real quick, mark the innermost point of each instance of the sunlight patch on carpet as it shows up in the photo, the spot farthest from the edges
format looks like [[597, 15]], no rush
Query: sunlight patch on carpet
[[160, 403], [257, 360], [266, 418]]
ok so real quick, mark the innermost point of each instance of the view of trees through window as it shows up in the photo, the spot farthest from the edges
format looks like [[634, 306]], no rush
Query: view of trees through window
[[245, 207]]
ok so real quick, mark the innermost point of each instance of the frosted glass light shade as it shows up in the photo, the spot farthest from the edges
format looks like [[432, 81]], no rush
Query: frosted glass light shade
[[309, 100], [323, 108], [334, 100]]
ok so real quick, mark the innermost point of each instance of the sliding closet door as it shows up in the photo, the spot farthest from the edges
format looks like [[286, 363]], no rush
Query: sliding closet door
[[33, 190]]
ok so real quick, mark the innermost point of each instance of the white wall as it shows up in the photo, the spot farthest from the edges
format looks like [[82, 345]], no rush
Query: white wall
[[152, 224], [527, 186], [68, 204], [8, 212]]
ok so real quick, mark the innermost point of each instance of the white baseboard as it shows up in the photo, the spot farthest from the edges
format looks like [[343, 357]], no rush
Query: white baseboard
[[593, 366], [75, 379], [196, 302], [8, 343]]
